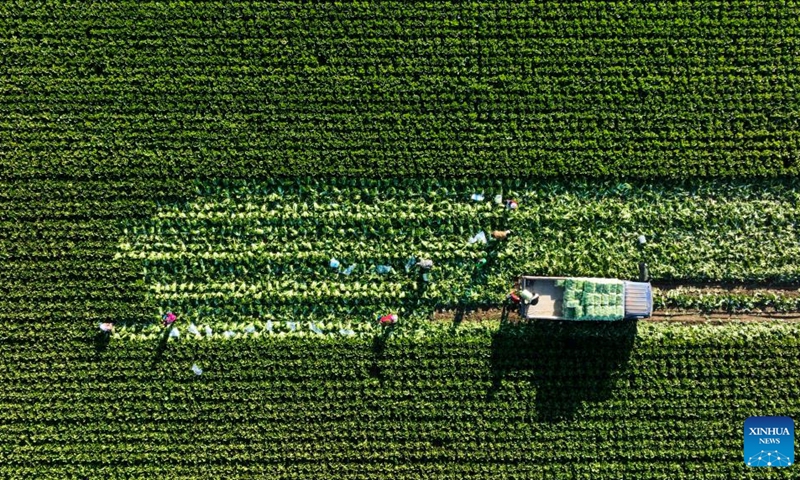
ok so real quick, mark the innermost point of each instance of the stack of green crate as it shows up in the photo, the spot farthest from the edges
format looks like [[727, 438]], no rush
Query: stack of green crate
[[592, 300]]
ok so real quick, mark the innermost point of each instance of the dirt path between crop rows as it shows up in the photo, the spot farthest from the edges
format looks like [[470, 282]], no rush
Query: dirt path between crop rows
[[705, 288]]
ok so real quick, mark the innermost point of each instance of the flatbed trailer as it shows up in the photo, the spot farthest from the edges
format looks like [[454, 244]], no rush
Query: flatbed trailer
[[584, 298]]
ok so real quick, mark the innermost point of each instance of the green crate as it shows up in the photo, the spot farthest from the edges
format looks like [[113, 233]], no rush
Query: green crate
[[586, 300], [573, 304]]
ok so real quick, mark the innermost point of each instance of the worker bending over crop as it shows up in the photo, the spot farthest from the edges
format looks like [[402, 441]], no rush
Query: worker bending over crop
[[106, 327], [501, 234], [168, 319], [425, 264], [387, 320]]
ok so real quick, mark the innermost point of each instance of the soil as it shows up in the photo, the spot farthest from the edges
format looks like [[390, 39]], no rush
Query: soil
[[786, 290], [719, 318]]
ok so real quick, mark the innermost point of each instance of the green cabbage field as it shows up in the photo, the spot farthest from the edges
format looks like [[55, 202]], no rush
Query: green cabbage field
[[299, 382], [654, 401], [270, 172], [132, 88], [261, 250]]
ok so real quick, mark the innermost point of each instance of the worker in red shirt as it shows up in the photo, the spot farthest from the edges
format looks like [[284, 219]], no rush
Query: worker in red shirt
[[387, 320]]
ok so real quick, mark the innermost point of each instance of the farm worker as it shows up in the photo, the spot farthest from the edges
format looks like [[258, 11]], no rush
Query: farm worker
[[511, 204], [501, 234], [388, 319], [514, 298], [106, 327], [425, 264], [169, 318]]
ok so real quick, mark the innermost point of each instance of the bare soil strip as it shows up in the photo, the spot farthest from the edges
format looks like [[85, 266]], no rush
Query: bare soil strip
[[707, 288]]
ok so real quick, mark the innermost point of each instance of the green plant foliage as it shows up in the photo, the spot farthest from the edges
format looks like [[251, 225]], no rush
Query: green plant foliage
[[558, 400], [133, 89], [248, 250]]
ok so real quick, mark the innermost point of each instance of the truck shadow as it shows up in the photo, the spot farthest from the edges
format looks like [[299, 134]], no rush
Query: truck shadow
[[568, 363]]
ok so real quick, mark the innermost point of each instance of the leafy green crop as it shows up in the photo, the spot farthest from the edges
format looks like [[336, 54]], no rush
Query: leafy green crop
[[564, 401], [245, 250], [592, 300], [110, 111], [132, 89], [467, 404]]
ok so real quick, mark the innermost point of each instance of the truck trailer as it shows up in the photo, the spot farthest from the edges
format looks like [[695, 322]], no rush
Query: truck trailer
[[581, 298]]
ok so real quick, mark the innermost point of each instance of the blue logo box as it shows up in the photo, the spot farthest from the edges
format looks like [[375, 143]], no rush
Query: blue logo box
[[769, 442]]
